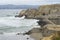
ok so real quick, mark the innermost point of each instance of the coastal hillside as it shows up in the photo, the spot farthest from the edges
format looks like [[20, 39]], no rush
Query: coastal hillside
[[51, 12], [49, 9], [11, 6], [42, 10], [49, 20]]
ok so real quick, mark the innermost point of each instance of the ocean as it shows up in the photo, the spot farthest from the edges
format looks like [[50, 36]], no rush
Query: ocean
[[11, 25]]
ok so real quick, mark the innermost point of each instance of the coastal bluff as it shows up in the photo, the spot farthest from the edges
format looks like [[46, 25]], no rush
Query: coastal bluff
[[49, 20], [47, 13], [42, 11]]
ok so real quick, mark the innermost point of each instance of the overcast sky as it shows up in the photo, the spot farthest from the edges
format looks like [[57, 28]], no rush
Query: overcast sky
[[28, 2]]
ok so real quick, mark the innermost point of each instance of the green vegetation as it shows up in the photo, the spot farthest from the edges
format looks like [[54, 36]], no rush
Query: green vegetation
[[57, 38]]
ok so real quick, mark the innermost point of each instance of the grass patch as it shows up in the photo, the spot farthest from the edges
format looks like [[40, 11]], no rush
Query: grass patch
[[57, 38]]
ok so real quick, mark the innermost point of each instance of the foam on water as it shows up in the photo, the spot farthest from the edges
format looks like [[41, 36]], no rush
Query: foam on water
[[13, 36], [16, 24], [11, 25], [9, 21]]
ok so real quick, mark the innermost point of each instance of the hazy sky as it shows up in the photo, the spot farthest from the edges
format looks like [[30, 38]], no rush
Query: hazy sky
[[28, 2]]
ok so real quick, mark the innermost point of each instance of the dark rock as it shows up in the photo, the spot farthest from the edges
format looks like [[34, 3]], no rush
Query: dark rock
[[42, 23], [34, 30]]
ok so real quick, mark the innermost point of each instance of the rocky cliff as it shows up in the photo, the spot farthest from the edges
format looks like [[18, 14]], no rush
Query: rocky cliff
[[49, 16], [52, 10]]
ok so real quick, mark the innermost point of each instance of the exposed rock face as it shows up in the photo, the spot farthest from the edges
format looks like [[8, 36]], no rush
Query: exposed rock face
[[29, 13], [52, 10], [49, 9], [35, 33], [49, 16], [53, 27], [55, 20], [34, 30], [39, 34]]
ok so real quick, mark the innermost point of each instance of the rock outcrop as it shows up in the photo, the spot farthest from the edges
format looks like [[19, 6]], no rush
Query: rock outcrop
[[49, 16], [48, 10], [53, 27], [55, 20], [29, 13], [35, 33], [39, 33]]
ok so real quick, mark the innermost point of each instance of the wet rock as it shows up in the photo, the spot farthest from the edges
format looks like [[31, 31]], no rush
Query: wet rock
[[42, 23], [34, 30], [35, 33]]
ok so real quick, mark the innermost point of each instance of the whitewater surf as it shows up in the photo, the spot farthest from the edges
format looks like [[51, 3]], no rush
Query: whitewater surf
[[11, 25]]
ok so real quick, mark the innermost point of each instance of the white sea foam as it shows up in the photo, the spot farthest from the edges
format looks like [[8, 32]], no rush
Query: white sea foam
[[10, 25], [16, 24]]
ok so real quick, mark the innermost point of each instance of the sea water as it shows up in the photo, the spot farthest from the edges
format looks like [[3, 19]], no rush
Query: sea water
[[11, 25]]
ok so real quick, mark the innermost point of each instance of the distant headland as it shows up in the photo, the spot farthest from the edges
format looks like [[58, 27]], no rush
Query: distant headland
[[11, 6]]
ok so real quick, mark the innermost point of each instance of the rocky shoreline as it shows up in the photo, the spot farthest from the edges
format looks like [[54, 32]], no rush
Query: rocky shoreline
[[49, 16]]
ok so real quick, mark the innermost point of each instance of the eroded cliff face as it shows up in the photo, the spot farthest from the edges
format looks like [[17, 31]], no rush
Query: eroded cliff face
[[29, 13], [52, 10], [49, 9], [49, 16]]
